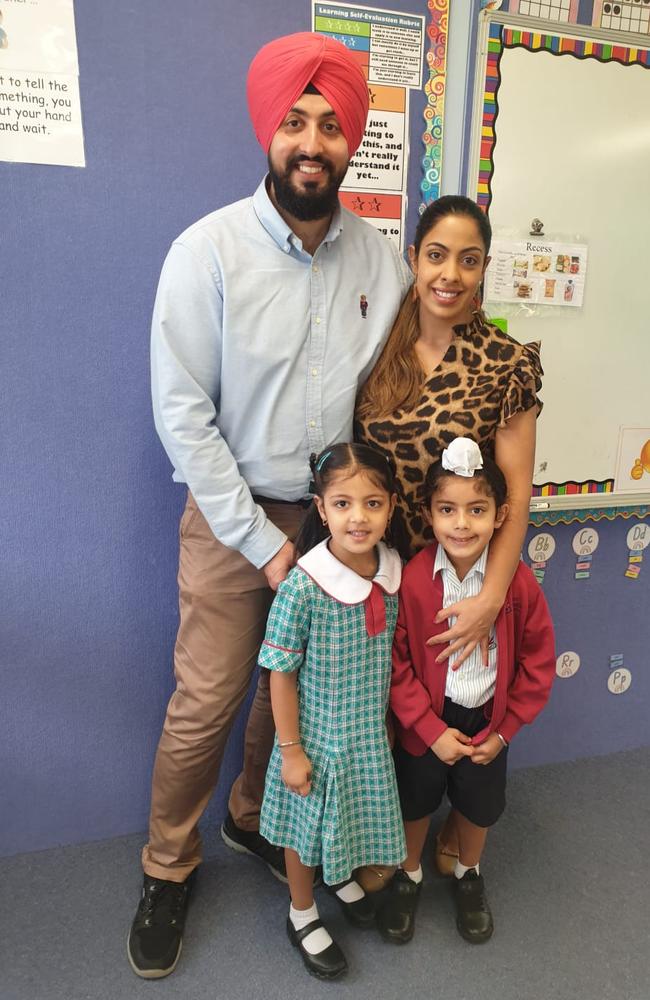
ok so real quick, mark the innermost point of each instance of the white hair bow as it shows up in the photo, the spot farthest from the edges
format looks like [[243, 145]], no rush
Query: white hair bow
[[463, 457]]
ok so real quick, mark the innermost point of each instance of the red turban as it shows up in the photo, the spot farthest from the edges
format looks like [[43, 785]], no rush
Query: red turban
[[281, 71]]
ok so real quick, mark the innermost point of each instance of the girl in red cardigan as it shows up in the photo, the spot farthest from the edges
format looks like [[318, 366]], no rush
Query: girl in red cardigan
[[453, 726]]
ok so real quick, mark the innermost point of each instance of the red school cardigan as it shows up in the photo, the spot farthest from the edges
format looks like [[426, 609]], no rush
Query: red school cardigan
[[525, 658]]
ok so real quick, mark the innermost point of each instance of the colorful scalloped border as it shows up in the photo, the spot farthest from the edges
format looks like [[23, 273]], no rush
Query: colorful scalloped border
[[572, 488], [435, 108], [560, 45], [551, 517], [501, 37], [490, 111]]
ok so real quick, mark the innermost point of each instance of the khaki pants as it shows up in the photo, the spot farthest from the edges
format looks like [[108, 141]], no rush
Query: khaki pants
[[224, 602]]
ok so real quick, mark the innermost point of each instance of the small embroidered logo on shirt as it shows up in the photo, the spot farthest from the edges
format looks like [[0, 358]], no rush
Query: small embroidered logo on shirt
[[363, 306]]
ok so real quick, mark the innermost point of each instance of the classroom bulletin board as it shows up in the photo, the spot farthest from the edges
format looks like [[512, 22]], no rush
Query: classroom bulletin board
[[562, 134]]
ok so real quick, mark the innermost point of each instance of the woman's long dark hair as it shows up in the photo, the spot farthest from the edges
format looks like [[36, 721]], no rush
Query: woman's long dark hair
[[396, 380], [349, 458]]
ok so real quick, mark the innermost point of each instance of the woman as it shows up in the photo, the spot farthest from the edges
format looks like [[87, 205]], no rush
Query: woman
[[447, 372]]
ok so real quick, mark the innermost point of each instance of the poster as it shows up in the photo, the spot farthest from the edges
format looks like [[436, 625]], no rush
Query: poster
[[537, 271], [633, 460], [389, 47], [390, 44], [40, 108]]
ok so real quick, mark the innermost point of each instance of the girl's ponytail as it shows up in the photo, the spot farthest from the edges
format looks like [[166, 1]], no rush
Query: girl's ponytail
[[312, 531]]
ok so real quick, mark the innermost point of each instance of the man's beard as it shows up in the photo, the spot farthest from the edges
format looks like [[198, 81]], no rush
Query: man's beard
[[309, 205]]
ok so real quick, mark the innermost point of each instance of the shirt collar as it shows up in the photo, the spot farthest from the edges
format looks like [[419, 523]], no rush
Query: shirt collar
[[277, 228], [442, 562], [342, 583]]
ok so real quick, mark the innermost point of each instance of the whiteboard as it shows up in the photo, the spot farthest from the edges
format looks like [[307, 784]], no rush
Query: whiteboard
[[572, 148]]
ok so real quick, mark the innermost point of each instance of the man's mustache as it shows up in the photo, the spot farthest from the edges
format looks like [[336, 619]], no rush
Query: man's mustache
[[309, 159]]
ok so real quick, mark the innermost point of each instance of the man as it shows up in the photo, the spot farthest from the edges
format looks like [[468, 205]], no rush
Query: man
[[258, 350]]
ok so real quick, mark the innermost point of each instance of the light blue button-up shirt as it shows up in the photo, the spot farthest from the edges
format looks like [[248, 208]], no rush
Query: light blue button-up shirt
[[258, 350]]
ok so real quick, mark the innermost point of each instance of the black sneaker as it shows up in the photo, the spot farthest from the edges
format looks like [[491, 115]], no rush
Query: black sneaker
[[252, 842], [473, 915], [156, 935]]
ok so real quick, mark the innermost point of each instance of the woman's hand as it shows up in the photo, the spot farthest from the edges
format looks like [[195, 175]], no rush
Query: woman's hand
[[296, 770], [475, 618], [488, 750]]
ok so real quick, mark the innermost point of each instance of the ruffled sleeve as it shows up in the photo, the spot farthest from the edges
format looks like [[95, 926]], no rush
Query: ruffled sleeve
[[287, 629], [524, 384]]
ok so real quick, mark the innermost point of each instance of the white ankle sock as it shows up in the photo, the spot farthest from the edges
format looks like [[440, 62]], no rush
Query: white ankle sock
[[415, 876], [319, 939], [460, 870], [350, 892]]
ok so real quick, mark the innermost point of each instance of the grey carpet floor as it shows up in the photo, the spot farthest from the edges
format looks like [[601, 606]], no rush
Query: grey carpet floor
[[566, 870]]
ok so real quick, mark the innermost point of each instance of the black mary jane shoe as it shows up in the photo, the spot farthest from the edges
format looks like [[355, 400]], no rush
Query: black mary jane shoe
[[396, 913], [328, 964], [473, 914], [361, 913]]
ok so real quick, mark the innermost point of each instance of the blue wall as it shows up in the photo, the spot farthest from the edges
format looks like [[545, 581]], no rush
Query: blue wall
[[89, 534], [88, 605], [596, 618]]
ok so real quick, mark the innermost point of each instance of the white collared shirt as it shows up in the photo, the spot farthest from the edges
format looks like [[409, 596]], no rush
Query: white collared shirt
[[472, 684]]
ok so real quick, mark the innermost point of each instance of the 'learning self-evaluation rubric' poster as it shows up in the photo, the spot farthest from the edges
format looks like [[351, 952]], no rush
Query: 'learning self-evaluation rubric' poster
[[40, 109], [389, 47]]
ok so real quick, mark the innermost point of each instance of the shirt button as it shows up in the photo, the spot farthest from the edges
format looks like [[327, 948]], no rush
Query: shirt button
[[314, 372], [315, 269], [312, 423], [317, 320]]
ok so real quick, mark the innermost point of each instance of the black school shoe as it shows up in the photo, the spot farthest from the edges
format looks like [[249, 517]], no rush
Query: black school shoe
[[396, 913], [252, 842], [473, 915], [328, 964], [361, 913], [156, 936]]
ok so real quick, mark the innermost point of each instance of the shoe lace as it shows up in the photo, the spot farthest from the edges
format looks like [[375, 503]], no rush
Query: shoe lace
[[481, 901], [162, 903], [476, 892]]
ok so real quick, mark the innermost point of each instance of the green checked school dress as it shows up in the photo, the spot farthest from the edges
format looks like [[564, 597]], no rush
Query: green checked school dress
[[337, 629]]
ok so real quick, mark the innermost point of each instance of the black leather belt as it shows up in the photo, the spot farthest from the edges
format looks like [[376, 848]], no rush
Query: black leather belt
[[304, 502]]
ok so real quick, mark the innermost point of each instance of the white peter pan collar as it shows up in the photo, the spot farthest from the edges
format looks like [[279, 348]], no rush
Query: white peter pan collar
[[342, 583]]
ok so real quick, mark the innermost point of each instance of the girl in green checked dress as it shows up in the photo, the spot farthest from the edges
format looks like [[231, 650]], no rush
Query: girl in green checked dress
[[331, 797]]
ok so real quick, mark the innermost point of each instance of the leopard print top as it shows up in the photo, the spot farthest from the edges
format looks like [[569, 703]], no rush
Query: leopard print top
[[484, 378]]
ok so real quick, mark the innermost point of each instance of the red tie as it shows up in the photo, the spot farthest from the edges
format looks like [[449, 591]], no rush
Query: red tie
[[375, 611]]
